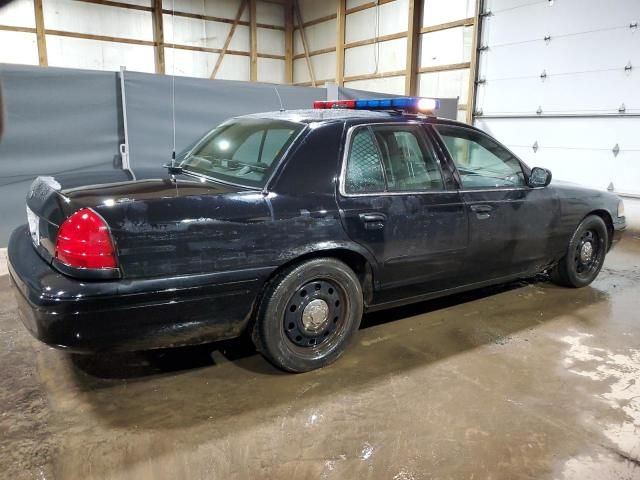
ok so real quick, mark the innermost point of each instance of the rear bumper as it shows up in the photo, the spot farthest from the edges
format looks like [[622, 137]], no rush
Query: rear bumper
[[93, 316]]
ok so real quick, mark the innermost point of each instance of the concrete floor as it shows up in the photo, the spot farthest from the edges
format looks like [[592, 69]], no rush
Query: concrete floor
[[527, 380]]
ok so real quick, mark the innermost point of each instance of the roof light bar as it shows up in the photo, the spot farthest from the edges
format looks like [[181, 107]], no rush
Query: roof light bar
[[408, 104]]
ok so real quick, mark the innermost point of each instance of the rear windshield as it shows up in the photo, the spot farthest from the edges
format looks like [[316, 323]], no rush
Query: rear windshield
[[243, 151]]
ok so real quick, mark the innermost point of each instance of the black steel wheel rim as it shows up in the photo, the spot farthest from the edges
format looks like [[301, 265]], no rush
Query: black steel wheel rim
[[315, 314], [588, 254]]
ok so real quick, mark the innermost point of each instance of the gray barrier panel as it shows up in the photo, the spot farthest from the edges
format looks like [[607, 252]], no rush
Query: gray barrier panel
[[200, 105], [57, 120]]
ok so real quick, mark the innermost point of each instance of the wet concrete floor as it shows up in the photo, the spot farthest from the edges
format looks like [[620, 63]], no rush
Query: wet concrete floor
[[527, 380]]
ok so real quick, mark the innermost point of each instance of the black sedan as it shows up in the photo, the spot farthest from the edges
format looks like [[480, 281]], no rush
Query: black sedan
[[289, 225]]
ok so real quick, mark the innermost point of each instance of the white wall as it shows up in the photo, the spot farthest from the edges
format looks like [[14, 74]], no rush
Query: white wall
[[95, 19], [590, 44]]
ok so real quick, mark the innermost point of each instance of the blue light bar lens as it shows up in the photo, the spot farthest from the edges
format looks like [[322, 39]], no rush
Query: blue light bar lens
[[411, 104]]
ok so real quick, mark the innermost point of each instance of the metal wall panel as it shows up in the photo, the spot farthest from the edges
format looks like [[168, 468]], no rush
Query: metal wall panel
[[389, 85], [319, 36], [271, 70], [19, 13], [389, 56], [385, 19], [96, 19], [98, 55], [24, 48], [324, 67]]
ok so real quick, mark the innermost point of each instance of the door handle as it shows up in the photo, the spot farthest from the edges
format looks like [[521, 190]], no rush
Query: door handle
[[481, 208], [373, 221], [482, 211]]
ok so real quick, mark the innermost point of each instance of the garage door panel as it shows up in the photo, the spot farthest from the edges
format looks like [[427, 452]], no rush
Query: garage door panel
[[566, 16], [596, 92], [579, 53], [626, 172], [576, 149]]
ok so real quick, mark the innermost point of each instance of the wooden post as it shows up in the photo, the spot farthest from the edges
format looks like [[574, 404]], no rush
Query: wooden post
[[254, 41], [413, 47], [227, 41], [341, 18], [304, 41], [475, 61], [288, 41], [40, 35], [158, 36]]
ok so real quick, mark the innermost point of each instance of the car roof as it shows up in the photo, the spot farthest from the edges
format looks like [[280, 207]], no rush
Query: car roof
[[344, 114]]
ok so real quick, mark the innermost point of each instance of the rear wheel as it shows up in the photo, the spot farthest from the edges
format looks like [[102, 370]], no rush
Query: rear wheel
[[585, 254], [308, 315]]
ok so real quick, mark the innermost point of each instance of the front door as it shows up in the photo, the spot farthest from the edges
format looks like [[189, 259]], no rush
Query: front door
[[397, 201], [509, 222]]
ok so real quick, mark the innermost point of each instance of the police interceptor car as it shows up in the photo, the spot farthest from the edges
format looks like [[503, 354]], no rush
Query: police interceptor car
[[290, 225]]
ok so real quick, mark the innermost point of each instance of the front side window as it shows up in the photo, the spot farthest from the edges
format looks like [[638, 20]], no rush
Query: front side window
[[243, 150], [480, 161], [390, 158]]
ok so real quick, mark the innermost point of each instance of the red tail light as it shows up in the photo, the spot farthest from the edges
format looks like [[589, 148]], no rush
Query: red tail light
[[84, 241]]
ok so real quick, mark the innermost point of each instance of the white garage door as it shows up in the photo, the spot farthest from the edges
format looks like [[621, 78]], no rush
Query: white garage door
[[559, 83]]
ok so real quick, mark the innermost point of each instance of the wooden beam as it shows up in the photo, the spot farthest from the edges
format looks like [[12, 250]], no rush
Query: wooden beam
[[227, 41], [341, 17], [303, 36], [111, 3], [444, 68], [11, 28], [465, 22], [40, 34], [253, 33], [369, 76], [315, 52], [413, 47], [318, 20], [475, 62], [158, 36], [210, 18], [288, 42], [365, 6], [102, 38], [382, 38]]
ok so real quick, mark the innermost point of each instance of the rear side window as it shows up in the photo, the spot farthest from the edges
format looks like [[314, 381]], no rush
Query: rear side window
[[390, 158], [243, 150], [364, 168]]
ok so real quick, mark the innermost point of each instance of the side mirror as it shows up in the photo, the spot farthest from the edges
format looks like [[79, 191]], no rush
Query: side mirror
[[540, 177]]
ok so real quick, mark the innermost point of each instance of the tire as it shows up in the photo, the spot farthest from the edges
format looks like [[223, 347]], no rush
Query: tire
[[308, 315], [582, 263]]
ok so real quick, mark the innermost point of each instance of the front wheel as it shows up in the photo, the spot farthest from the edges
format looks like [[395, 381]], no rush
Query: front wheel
[[585, 254], [308, 315]]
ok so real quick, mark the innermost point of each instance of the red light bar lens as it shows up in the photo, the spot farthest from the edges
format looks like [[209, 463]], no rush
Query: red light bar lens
[[322, 105]]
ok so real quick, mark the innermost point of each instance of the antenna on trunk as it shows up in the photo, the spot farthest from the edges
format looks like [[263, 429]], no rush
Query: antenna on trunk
[[279, 99], [173, 84]]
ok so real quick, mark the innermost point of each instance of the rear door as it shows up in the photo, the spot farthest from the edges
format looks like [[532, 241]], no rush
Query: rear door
[[398, 202], [509, 222]]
